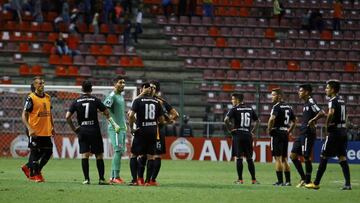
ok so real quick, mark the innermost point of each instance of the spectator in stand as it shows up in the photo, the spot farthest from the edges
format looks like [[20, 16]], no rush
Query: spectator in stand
[[127, 31], [305, 24], [138, 26], [14, 6], [182, 8], [65, 12], [107, 9], [73, 20], [118, 12], [37, 15], [61, 45], [316, 20], [192, 7], [27, 6], [167, 4], [95, 23], [209, 117], [279, 10], [353, 132], [208, 8], [337, 14], [127, 5], [186, 129], [87, 11]]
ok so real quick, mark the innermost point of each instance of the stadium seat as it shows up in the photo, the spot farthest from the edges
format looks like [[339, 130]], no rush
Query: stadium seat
[[60, 71], [137, 61], [85, 71], [101, 61], [36, 70], [104, 29], [95, 49], [24, 70], [66, 60], [204, 52], [106, 50], [73, 71], [90, 60], [125, 61], [24, 47], [112, 39], [46, 27], [54, 59]]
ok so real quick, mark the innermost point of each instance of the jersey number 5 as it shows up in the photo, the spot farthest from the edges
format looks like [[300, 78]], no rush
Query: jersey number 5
[[287, 117]]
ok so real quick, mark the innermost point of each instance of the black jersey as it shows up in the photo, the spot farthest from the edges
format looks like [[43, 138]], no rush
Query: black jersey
[[166, 107], [242, 116], [339, 117], [283, 115], [148, 110], [310, 110], [86, 108]]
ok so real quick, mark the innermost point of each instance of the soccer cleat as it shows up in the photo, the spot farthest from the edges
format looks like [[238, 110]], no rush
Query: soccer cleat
[[103, 182], [117, 181], [287, 184], [26, 170], [312, 186], [86, 182], [278, 184], [140, 182], [41, 177], [133, 183], [255, 182], [152, 183], [301, 184], [238, 182], [346, 187], [36, 179]]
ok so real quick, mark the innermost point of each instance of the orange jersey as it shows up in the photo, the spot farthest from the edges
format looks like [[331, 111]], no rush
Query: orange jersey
[[40, 116]]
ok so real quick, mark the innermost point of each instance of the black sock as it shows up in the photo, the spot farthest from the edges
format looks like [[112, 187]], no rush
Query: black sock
[[299, 168], [308, 171], [320, 171], [85, 168], [157, 166], [141, 166], [46, 155], [251, 168], [287, 176], [346, 171], [101, 168], [239, 168], [279, 175], [133, 167], [34, 162], [149, 169]]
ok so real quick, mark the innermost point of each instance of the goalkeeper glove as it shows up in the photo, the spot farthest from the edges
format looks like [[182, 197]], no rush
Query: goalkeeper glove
[[114, 125]]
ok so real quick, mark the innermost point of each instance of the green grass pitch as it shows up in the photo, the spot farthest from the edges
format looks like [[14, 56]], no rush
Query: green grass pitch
[[181, 181]]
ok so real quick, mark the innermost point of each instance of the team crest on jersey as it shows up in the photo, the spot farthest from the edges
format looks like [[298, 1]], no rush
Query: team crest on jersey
[[181, 149], [19, 147]]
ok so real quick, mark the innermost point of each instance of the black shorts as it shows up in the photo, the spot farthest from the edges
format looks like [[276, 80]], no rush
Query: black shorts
[[303, 145], [160, 143], [90, 141], [40, 142], [242, 145], [335, 144], [144, 141], [279, 143]]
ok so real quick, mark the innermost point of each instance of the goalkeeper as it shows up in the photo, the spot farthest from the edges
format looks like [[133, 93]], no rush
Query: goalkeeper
[[116, 105]]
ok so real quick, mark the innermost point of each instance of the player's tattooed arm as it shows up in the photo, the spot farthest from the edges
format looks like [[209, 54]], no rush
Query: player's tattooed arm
[[270, 124], [228, 123], [70, 123]]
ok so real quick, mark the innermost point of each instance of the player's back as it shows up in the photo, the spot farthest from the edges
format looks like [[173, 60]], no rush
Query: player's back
[[283, 115], [339, 117], [86, 107], [243, 116], [148, 110]]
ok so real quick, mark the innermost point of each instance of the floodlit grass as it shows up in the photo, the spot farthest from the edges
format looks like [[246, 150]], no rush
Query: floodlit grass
[[181, 181]]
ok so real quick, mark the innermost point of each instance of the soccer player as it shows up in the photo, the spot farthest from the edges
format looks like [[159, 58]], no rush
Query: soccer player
[[38, 119], [238, 122], [336, 140], [170, 115], [281, 123], [116, 105], [147, 112], [303, 144], [88, 131]]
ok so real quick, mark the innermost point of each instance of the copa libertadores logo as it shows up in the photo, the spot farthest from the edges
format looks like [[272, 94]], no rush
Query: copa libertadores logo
[[19, 146], [181, 148]]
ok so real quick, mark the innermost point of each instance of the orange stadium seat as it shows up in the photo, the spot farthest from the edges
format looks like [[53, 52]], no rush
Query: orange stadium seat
[[60, 71], [95, 49], [102, 61], [235, 64], [46, 27], [24, 47], [24, 70], [112, 39], [54, 59], [36, 70], [125, 61], [137, 61], [73, 71], [66, 60], [106, 50]]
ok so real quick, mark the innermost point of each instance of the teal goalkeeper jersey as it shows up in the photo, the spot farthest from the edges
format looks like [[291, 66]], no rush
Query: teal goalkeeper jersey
[[116, 105]]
